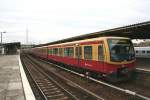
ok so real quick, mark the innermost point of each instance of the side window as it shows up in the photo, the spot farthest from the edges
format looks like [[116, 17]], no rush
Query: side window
[[143, 51], [136, 51], [88, 52], [100, 53], [148, 51], [65, 51], [50, 51], [45, 50], [55, 51], [60, 52], [79, 52], [69, 51]]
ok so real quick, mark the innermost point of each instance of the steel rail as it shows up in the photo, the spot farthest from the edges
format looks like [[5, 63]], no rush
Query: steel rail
[[75, 98], [58, 84], [103, 83], [87, 91], [34, 80], [141, 69]]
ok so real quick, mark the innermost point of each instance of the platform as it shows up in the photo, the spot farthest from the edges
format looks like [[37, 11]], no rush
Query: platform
[[13, 85]]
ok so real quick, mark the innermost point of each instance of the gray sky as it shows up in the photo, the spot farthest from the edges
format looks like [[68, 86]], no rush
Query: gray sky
[[51, 20]]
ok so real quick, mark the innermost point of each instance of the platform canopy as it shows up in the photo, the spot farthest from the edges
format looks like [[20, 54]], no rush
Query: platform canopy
[[134, 31], [11, 48]]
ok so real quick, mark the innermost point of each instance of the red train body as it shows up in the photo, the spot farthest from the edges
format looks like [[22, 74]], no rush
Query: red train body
[[111, 57]]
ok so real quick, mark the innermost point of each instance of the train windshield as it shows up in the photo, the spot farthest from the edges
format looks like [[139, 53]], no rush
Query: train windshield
[[121, 50]]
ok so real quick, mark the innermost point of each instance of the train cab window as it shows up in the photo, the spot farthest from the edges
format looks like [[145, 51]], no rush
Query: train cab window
[[88, 52], [100, 53], [69, 51], [79, 52], [60, 52], [143, 51], [50, 51], [55, 51]]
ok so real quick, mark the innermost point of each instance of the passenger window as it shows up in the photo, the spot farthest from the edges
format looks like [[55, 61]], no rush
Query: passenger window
[[69, 51], [148, 51], [88, 52], [100, 53], [143, 51], [45, 50], [60, 52], [136, 51], [79, 52], [50, 51], [55, 51]]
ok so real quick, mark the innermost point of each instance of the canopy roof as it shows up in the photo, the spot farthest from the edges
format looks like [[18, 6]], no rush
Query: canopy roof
[[134, 31]]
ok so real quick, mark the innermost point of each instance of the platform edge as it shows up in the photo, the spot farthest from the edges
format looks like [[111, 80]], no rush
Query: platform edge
[[26, 86]]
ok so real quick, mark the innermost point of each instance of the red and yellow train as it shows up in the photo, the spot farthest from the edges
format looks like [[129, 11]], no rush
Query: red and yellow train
[[110, 57]]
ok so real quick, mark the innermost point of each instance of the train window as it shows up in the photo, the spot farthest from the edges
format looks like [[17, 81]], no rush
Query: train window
[[148, 51], [65, 51], [55, 51], [60, 52], [50, 51], [136, 51], [88, 52], [69, 51], [45, 50], [100, 53], [143, 51], [79, 52]]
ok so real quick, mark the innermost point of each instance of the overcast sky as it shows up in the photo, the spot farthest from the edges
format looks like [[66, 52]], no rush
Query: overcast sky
[[51, 20]]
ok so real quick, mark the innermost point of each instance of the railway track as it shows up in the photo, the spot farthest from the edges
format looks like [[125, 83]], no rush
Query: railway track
[[47, 86], [51, 87], [140, 84], [134, 89], [105, 90]]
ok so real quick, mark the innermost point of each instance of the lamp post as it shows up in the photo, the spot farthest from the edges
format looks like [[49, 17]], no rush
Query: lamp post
[[1, 48], [2, 36]]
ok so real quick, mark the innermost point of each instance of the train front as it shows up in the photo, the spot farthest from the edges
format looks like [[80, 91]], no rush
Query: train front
[[121, 59]]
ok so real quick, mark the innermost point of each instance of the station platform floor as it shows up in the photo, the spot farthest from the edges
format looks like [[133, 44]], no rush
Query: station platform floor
[[13, 82]]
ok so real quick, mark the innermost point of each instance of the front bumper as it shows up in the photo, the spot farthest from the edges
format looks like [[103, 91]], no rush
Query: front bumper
[[121, 75]]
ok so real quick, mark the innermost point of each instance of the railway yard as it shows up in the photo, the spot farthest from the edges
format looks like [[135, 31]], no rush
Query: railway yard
[[54, 82]]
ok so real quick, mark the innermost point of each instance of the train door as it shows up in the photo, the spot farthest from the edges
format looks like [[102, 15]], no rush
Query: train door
[[101, 56], [78, 55]]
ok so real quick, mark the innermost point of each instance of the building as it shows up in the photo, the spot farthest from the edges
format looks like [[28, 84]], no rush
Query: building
[[10, 48]]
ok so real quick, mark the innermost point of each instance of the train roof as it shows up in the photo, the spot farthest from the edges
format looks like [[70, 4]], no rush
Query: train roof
[[93, 39], [76, 42], [142, 48]]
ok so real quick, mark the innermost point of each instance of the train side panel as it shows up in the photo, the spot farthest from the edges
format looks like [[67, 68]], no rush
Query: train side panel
[[142, 52]]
